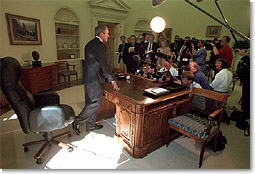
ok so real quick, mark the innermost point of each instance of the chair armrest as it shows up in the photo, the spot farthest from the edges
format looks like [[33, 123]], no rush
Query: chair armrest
[[215, 113], [46, 98], [45, 119], [211, 117]]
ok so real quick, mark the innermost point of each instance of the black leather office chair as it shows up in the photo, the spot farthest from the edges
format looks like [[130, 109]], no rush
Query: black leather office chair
[[40, 113]]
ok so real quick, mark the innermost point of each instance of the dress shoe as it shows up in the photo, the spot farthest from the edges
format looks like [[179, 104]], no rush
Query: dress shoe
[[97, 126], [76, 128]]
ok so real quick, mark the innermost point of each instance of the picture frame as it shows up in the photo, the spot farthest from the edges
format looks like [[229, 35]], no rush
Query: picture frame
[[72, 56], [23, 30], [213, 31], [167, 34]]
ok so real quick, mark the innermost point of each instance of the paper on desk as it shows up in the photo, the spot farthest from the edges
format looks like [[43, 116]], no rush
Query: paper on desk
[[159, 90]]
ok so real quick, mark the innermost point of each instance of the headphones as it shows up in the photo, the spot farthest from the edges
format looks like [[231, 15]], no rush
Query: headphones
[[224, 63]]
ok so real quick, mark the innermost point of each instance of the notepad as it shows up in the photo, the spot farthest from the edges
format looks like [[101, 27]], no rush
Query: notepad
[[159, 90]]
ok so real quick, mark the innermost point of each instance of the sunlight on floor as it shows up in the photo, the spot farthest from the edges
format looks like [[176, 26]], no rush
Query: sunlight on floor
[[94, 151], [13, 117]]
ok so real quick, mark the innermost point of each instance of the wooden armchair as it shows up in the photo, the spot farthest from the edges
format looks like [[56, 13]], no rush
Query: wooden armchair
[[64, 70], [194, 124]]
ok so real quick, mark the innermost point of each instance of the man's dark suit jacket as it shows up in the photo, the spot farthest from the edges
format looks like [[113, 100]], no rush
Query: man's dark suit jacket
[[175, 47], [96, 67], [155, 46], [119, 50], [130, 63]]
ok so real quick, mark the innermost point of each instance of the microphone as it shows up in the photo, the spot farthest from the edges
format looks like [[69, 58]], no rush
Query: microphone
[[156, 3]]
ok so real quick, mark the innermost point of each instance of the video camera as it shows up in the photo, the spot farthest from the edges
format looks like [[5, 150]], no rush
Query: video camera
[[208, 45]]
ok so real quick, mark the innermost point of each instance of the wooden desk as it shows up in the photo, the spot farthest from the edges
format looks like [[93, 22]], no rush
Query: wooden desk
[[142, 122], [41, 78]]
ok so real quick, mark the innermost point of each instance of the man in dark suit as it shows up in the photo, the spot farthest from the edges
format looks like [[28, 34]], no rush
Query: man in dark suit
[[132, 48], [184, 53], [150, 48], [121, 49], [95, 71], [176, 45]]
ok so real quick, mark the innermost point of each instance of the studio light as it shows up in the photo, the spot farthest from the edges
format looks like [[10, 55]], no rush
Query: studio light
[[158, 24]]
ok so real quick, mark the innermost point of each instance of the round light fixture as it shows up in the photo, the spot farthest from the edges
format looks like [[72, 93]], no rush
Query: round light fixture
[[158, 24]]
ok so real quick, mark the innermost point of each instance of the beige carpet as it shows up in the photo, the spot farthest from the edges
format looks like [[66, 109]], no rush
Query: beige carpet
[[100, 150]]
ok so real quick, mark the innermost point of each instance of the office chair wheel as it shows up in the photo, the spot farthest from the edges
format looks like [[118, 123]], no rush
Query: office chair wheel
[[26, 149], [39, 161], [70, 149]]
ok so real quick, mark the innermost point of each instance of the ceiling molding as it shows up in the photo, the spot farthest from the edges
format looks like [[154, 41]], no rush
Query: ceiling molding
[[117, 5]]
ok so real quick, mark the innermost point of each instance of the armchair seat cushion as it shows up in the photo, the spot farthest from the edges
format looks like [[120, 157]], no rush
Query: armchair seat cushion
[[193, 124]]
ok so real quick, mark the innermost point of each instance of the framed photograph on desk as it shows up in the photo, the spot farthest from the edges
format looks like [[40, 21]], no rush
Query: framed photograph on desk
[[23, 30], [213, 31]]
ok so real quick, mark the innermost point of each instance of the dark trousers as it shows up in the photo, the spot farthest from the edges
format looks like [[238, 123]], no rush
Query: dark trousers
[[246, 98], [93, 99], [131, 66]]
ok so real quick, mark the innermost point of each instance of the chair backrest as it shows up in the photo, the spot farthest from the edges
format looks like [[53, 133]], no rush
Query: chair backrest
[[63, 66], [21, 101], [207, 101]]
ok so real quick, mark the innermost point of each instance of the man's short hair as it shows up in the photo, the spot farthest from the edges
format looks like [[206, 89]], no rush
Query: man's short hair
[[202, 41], [187, 37], [224, 63], [133, 35], [100, 29], [152, 65], [227, 38], [152, 36], [122, 37], [195, 65], [189, 75]]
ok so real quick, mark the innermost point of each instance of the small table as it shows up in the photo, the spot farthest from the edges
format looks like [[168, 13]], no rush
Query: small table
[[40, 78]]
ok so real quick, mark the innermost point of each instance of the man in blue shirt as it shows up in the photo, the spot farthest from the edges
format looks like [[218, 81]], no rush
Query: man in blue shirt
[[199, 56], [199, 76]]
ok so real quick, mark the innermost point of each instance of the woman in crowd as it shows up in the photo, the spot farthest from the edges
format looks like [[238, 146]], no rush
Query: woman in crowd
[[164, 49]]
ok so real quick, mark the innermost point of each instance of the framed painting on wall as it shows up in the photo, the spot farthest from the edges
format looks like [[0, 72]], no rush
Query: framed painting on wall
[[23, 30], [213, 31], [167, 33]]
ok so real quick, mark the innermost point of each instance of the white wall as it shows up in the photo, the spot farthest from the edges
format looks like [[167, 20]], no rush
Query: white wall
[[184, 19], [44, 10]]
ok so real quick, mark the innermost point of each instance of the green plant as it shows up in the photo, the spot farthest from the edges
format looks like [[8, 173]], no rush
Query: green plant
[[242, 43]]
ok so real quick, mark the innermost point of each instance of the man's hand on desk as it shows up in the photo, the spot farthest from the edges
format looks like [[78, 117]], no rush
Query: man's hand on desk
[[115, 86]]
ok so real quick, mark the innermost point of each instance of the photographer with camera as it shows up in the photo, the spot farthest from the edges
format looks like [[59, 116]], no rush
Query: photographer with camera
[[199, 55], [183, 54], [225, 52], [167, 78], [176, 45]]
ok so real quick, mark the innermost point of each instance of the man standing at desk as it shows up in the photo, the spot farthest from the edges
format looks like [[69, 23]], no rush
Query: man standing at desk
[[95, 71]]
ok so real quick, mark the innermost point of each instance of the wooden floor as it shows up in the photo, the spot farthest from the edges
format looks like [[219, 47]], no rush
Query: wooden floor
[[61, 86]]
